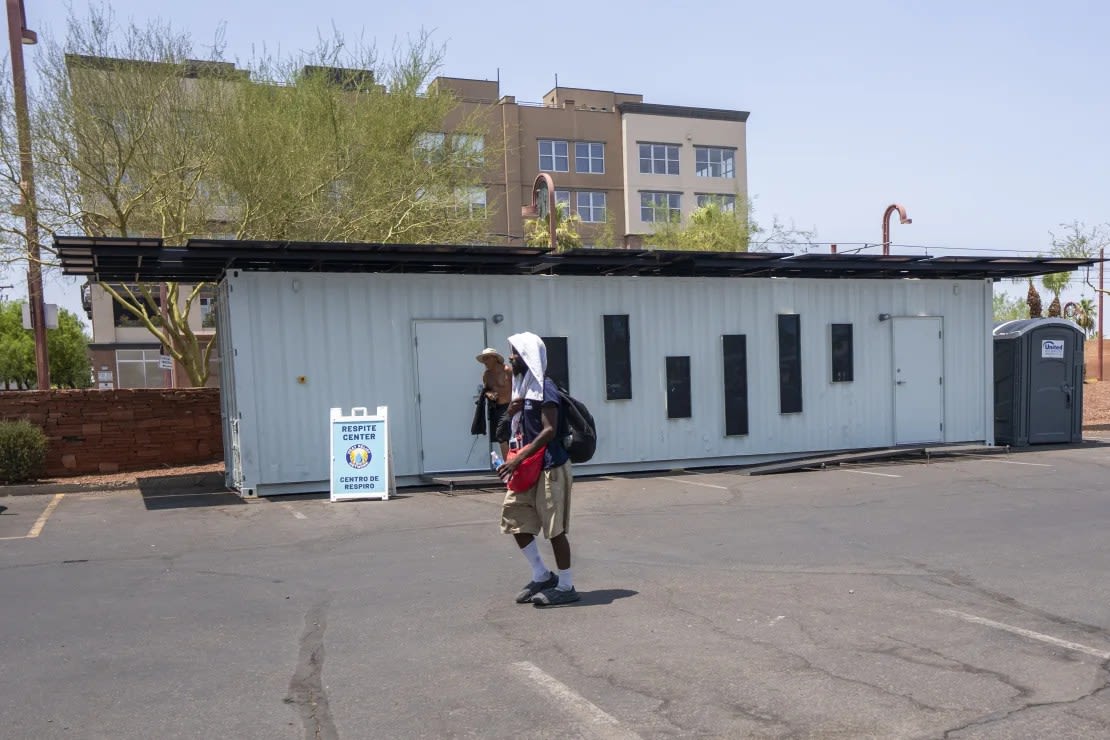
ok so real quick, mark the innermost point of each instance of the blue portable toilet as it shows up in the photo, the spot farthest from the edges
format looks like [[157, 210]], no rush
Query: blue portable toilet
[[1038, 382]]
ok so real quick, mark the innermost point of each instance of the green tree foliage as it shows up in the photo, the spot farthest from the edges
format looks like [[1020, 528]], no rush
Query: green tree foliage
[[710, 228], [1078, 240], [1055, 283], [714, 227], [67, 347], [1086, 316], [537, 231], [136, 137], [1009, 309]]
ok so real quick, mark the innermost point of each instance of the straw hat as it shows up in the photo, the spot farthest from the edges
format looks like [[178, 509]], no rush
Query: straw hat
[[490, 352]]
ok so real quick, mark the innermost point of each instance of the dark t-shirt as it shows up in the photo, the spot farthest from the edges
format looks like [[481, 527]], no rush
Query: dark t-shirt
[[532, 425]]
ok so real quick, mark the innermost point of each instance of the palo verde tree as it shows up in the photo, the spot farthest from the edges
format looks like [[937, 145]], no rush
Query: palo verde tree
[[141, 137], [722, 225], [1078, 240]]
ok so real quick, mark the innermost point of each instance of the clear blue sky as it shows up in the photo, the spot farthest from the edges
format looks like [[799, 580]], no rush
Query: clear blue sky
[[988, 121]]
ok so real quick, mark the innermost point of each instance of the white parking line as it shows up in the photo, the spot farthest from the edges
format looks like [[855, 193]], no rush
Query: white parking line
[[868, 472], [990, 458], [602, 724], [705, 485], [294, 512], [1101, 654]]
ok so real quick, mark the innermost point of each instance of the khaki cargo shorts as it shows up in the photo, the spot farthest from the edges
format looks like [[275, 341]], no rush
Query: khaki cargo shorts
[[545, 507]]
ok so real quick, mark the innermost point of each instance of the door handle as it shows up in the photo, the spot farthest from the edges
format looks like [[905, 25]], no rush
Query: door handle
[[899, 382]]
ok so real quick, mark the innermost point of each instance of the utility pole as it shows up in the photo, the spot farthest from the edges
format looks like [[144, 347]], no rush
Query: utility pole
[[19, 34]]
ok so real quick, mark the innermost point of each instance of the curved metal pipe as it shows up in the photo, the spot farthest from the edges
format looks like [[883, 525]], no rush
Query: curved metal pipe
[[886, 223]]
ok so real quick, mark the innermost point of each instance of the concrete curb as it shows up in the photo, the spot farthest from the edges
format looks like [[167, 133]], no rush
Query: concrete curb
[[144, 480]]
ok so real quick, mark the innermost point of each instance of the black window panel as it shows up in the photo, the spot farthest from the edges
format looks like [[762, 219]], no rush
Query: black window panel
[[558, 368], [790, 363], [736, 384], [618, 358], [843, 360], [121, 317], [678, 388]]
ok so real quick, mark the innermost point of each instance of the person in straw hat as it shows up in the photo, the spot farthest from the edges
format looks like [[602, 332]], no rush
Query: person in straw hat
[[497, 384]]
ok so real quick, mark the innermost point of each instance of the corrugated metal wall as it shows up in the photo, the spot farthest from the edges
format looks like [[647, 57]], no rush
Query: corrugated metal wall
[[351, 337]]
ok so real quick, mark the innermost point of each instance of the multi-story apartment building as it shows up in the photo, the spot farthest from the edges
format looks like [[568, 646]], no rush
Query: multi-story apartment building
[[125, 354], [619, 163]]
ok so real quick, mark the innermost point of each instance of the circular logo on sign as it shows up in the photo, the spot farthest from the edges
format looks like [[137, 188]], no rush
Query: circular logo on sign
[[358, 456]]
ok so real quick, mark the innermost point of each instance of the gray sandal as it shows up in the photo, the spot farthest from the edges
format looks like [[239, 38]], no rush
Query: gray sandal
[[556, 597], [535, 587]]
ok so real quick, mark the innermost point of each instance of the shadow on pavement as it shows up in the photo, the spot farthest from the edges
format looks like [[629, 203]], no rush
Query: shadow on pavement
[[186, 491], [599, 597]]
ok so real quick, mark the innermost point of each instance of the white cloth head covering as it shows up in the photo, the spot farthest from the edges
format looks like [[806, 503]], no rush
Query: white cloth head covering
[[529, 385], [532, 350]]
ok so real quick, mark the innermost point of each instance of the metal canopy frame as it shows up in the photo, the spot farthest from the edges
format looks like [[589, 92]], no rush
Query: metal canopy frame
[[206, 260]]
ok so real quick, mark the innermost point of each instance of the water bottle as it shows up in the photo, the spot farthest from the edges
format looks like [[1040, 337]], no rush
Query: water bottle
[[495, 460]]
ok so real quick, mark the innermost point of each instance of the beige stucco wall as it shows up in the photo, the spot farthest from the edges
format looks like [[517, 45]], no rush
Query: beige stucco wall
[[687, 133]]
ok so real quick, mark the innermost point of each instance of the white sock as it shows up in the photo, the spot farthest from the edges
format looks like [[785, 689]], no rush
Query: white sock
[[539, 570], [565, 582]]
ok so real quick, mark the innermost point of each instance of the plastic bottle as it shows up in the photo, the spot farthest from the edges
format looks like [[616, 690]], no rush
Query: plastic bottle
[[495, 460]]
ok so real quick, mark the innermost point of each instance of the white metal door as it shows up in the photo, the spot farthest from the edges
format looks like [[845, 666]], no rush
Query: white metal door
[[447, 381], [918, 380]]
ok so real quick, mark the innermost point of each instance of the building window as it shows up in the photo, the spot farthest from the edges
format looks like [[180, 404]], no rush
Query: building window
[[736, 383], [618, 357], [472, 200], [123, 318], [138, 368], [207, 303], [726, 203], [430, 144], [554, 156], [470, 145], [712, 161], [790, 363], [660, 207], [558, 368], [678, 388], [563, 196], [591, 207], [842, 356], [658, 159], [589, 157]]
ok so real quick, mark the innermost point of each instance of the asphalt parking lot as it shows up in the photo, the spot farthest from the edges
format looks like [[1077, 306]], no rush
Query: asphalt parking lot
[[965, 597]]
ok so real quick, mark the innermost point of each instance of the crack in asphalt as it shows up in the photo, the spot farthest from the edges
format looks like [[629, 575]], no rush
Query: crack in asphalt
[[306, 688], [995, 717], [959, 580]]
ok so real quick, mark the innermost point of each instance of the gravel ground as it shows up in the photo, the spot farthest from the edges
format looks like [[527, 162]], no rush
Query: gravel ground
[[130, 479]]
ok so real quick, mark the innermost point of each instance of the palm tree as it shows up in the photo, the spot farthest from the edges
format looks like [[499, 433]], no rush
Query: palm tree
[[1085, 317], [566, 230]]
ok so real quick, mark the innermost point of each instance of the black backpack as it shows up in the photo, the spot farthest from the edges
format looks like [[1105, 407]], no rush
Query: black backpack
[[580, 435]]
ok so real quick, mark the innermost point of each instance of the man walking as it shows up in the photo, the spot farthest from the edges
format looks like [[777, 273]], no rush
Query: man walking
[[497, 385], [539, 423]]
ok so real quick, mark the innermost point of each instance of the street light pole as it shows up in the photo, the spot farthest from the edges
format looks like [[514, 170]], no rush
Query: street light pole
[[19, 34]]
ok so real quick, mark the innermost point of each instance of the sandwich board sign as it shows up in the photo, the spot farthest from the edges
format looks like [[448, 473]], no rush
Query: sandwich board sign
[[361, 461]]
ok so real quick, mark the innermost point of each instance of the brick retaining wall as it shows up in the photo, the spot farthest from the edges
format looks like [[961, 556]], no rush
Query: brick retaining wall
[[92, 431]]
